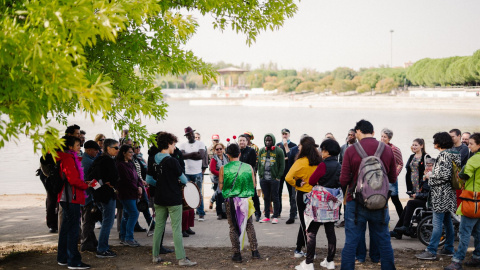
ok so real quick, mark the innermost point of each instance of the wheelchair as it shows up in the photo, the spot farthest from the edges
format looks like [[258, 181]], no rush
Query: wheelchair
[[421, 226]]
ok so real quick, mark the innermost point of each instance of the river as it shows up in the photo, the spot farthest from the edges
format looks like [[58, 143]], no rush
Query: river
[[18, 162]]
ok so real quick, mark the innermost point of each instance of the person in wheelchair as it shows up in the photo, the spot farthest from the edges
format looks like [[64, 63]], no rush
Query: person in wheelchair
[[419, 199]]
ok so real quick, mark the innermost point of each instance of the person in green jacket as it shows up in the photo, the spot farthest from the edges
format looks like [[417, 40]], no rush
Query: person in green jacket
[[271, 163], [469, 226]]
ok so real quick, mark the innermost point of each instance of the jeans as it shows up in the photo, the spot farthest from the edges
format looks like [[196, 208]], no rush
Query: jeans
[[437, 220], [291, 198], [130, 217], [270, 193], [88, 238], [161, 214], [361, 252], [108, 217], [219, 201], [378, 222], [198, 180], [68, 236], [468, 226]]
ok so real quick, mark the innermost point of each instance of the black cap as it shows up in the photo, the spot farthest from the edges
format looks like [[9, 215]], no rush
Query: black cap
[[91, 144], [285, 130]]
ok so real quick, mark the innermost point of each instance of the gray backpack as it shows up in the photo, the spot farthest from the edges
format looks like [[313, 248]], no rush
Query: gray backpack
[[372, 183]]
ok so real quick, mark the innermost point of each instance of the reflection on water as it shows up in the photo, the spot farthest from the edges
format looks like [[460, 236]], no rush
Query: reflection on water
[[18, 162]]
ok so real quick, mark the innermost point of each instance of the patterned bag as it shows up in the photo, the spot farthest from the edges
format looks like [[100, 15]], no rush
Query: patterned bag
[[322, 204]]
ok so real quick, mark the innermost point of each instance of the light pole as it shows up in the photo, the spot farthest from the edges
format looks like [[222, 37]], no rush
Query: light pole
[[391, 48]]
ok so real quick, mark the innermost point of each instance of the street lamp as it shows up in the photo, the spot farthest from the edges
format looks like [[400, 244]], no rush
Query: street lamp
[[391, 48]]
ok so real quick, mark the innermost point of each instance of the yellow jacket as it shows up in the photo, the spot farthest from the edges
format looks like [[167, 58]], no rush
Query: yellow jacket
[[300, 170]]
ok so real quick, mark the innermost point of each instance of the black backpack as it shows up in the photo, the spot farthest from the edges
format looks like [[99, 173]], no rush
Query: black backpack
[[54, 181]]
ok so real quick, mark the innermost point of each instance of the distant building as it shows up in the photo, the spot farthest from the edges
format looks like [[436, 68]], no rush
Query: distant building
[[407, 64], [231, 78]]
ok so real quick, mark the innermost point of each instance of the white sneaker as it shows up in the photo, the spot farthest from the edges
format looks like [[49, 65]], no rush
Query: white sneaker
[[305, 266], [98, 225], [156, 259], [186, 262], [274, 220], [298, 254], [328, 265]]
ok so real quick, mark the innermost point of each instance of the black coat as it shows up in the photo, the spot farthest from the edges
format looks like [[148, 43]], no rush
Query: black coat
[[104, 168], [421, 169]]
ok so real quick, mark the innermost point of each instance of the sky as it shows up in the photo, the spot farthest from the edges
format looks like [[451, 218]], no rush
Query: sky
[[324, 35]]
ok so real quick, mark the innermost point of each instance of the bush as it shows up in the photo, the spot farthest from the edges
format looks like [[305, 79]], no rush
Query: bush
[[363, 88], [386, 85], [269, 86], [306, 86]]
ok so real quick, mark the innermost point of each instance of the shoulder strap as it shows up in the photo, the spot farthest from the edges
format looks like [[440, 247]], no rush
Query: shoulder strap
[[380, 148], [235, 179], [361, 152]]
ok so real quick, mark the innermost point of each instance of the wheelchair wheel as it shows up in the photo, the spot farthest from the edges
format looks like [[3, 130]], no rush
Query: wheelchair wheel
[[424, 231]]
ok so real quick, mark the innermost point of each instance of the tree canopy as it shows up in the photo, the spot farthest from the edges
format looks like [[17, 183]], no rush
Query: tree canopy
[[99, 57]]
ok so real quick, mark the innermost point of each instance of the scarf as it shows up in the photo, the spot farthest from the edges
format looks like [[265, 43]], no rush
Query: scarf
[[78, 164]]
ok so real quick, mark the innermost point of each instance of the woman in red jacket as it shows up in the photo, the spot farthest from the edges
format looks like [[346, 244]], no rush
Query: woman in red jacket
[[70, 198]]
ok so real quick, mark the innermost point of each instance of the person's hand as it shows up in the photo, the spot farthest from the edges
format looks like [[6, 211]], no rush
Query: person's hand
[[302, 183], [108, 184], [139, 192], [284, 141], [144, 182], [414, 195], [89, 183]]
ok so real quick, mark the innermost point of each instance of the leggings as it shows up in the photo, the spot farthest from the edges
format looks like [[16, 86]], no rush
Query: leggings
[[312, 240], [398, 204]]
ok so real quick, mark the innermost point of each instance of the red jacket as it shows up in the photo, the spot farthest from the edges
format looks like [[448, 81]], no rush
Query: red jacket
[[78, 185], [351, 163]]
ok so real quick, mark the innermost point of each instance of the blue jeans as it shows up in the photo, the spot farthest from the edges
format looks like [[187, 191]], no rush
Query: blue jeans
[[108, 217], [379, 231], [437, 220], [68, 236], [130, 217], [361, 252], [468, 227], [198, 180]]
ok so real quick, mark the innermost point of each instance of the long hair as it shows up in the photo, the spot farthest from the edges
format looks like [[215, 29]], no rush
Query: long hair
[[309, 150], [421, 142], [123, 149]]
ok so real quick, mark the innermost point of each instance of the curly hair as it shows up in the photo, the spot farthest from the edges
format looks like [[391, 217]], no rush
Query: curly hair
[[331, 146], [309, 150], [443, 140], [164, 139]]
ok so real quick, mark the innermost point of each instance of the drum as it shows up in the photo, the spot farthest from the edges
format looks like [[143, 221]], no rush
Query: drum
[[191, 196]]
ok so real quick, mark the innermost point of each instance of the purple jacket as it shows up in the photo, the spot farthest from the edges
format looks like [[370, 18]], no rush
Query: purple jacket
[[128, 182]]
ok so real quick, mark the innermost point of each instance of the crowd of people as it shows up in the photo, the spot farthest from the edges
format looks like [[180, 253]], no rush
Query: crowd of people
[[111, 178]]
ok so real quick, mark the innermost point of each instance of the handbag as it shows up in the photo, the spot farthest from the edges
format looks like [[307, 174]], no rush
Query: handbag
[[471, 202], [457, 182]]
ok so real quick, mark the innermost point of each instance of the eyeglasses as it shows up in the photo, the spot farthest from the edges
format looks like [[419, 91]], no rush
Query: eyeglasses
[[130, 152], [284, 133], [216, 140], [138, 147], [115, 147], [101, 140], [219, 149]]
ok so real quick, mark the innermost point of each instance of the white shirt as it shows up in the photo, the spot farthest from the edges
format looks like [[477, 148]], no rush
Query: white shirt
[[192, 166]]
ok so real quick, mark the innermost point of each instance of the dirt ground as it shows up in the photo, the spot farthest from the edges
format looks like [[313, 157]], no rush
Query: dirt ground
[[21, 257]]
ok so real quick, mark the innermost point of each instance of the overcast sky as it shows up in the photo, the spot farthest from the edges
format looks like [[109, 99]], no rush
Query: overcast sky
[[324, 35]]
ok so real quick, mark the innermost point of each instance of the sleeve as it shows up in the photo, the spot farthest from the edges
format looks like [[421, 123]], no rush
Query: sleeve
[[290, 177], [213, 166], [398, 160], [346, 172], [125, 176], [72, 174], [408, 175], [390, 162], [317, 174], [281, 162], [464, 154], [252, 158], [467, 171]]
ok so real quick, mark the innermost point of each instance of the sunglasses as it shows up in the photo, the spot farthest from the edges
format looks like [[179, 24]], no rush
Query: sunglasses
[[284, 133], [138, 147], [101, 140], [116, 147], [218, 149], [130, 152]]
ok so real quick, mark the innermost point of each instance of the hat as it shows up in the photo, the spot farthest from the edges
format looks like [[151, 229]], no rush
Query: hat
[[285, 130], [188, 130], [250, 134], [91, 144], [215, 137]]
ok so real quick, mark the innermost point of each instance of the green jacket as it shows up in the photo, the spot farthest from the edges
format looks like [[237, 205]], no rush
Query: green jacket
[[471, 173], [277, 160]]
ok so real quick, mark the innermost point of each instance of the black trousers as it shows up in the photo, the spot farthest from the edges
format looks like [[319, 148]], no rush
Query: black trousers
[[312, 240], [219, 201], [302, 234], [88, 238], [51, 207], [407, 213], [291, 197]]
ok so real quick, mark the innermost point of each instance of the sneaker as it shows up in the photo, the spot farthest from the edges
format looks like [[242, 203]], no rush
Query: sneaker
[[327, 264], [164, 250], [290, 221], [81, 265], [264, 220], [454, 266], [396, 234], [201, 218], [426, 255], [401, 229], [445, 252], [274, 220], [139, 229], [98, 225], [219, 217], [340, 224], [257, 218], [186, 262], [185, 234], [131, 243], [237, 257], [122, 242], [106, 254], [473, 262], [298, 254], [255, 254], [62, 263], [190, 231], [304, 266], [156, 259]]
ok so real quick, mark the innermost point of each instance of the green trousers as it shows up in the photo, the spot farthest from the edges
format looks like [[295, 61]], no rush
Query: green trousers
[[161, 214]]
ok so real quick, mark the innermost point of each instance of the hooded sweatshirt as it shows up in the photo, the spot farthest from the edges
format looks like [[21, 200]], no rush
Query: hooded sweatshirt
[[277, 159]]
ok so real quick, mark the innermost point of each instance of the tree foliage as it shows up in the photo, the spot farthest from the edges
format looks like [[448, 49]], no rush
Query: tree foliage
[[61, 58]]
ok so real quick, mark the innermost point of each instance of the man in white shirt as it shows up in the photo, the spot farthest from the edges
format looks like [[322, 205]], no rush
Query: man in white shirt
[[193, 153]]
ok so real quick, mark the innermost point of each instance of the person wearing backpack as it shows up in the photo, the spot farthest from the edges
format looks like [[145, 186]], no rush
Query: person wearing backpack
[[70, 198], [442, 197], [359, 212], [470, 223]]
